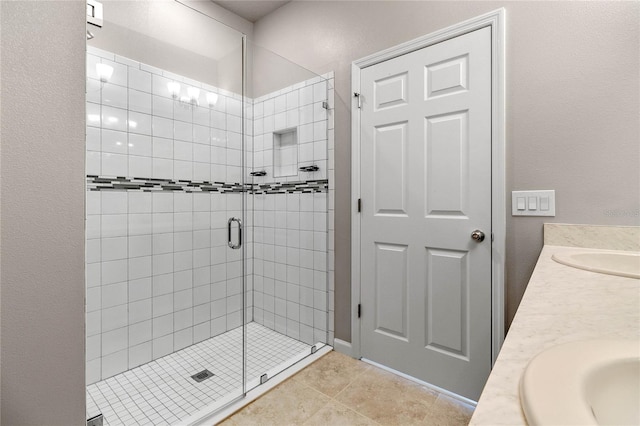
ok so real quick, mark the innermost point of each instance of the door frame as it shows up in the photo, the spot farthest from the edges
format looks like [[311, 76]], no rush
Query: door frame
[[495, 20]]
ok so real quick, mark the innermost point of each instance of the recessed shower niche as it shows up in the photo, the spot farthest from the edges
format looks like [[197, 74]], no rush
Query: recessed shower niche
[[285, 152]]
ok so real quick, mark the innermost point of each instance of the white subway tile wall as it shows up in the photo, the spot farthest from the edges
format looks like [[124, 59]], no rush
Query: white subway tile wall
[[160, 276], [290, 230]]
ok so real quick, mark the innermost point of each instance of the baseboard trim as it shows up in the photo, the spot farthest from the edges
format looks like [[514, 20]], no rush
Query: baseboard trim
[[343, 347]]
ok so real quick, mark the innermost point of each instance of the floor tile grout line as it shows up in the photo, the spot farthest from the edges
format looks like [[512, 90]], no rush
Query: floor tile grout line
[[305, 422], [355, 411], [134, 401], [430, 409], [351, 382], [145, 388], [316, 391], [364, 370], [351, 408], [155, 408], [455, 409], [109, 403]]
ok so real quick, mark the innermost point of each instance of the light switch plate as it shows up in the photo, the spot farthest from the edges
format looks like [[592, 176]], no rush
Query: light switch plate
[[538, 203]]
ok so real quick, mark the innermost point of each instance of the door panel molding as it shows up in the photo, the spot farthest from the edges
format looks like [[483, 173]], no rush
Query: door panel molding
[[390, 258], [452, 312], [390, 163], [447, 77], [440, 154], [439, 84]]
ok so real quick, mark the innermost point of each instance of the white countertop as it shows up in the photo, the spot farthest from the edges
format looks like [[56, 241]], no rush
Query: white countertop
[[561, 304]]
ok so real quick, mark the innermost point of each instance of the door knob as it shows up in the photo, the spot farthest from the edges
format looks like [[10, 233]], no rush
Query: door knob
[[477, 236]]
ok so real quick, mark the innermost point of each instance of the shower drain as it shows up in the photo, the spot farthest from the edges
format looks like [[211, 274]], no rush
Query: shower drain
[[201, 376]]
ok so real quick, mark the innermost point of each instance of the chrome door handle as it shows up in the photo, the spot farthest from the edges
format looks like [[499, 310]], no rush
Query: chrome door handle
[[477, 236], [229, 243]]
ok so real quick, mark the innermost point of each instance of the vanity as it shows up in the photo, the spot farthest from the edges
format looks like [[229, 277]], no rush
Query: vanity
[[576, 332]]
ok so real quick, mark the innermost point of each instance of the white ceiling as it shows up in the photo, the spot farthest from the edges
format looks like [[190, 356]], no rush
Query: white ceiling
[[251, 10]]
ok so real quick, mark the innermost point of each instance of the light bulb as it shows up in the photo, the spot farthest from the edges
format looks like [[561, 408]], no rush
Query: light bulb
[[193, 93], [104, 72], [174, 89], [212, 98]]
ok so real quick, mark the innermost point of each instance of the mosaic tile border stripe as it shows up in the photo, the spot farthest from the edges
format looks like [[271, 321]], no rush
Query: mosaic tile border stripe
[[121, 183]]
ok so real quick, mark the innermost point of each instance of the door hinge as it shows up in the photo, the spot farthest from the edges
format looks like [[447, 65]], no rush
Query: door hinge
[[359, 310], [359, 205], [357, 95]]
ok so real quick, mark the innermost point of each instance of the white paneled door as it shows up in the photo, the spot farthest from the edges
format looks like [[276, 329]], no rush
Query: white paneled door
[[426, 188]]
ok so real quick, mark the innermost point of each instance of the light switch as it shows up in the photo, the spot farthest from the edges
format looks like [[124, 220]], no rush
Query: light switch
[[544, 203], [533, 203]]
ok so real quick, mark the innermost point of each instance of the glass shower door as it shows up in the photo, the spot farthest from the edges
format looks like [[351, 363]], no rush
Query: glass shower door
[[287, 204], [165, 173]]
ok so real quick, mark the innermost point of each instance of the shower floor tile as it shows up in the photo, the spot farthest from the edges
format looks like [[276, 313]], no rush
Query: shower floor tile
[[162, 392]]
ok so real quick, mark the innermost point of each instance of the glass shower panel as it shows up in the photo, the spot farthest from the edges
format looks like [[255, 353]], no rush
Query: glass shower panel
[[287, 185], [165, 173]]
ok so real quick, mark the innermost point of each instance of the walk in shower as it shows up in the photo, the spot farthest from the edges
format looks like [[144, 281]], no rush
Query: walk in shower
[[208, 214]]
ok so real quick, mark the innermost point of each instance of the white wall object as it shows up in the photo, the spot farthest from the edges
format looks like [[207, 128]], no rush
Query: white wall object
[[533, 203]]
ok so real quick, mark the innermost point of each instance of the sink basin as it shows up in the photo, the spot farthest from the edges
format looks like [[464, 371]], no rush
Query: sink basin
[[593, 382], [622, 263]]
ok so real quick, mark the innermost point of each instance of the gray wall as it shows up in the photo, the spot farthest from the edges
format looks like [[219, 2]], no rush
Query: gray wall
[[220, 14], [572, 106], [42, 90]]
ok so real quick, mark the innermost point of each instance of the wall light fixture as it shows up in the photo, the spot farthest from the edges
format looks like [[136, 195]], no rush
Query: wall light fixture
[[193, 95], [104, 72], [174, 89], [212, 99]]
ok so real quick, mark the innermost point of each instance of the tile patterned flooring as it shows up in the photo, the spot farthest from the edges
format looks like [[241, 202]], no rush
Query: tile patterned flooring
[[162, 392], [339, 390]]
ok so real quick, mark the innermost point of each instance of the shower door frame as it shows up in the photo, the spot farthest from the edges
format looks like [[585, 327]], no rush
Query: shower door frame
[[245, 194]]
